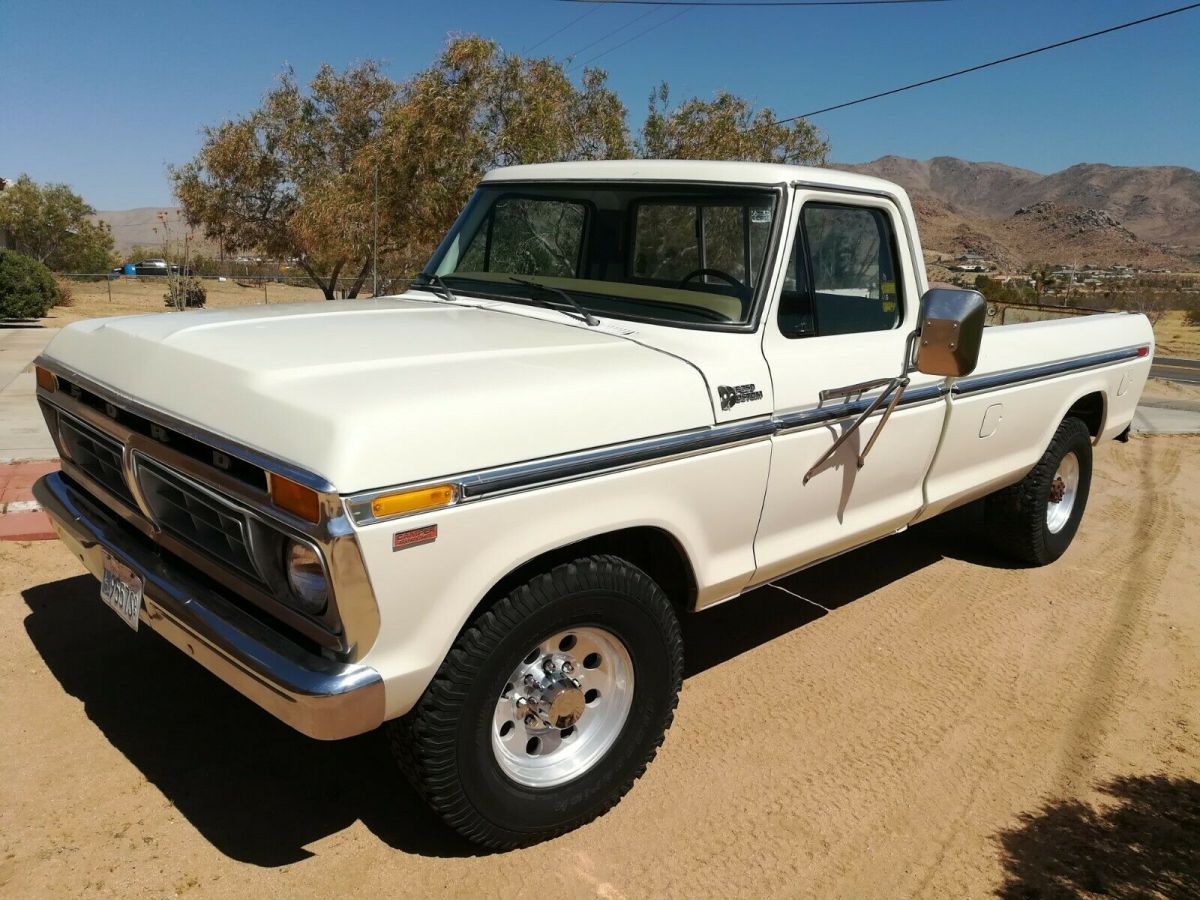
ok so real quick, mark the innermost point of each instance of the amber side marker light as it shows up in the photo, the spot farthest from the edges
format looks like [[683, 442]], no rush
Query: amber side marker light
[[46, 379], [413, 501], [295, 498]]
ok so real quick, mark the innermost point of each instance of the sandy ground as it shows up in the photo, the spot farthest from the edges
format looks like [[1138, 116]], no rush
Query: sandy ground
[[951, 727], [1173, 336], [1162, 389], [90, 300]]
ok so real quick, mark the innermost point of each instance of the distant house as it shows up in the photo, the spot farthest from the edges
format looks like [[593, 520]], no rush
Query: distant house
[[971, 262]]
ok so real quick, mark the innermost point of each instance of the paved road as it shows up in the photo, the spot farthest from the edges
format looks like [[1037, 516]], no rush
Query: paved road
[[23, 434], [1185, 371]]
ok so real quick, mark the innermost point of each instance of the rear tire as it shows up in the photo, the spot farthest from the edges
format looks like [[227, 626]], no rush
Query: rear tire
[[509, 745], [1035, 520]]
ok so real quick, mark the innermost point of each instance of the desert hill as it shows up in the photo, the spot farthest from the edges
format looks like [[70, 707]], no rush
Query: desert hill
[[1135, 215]]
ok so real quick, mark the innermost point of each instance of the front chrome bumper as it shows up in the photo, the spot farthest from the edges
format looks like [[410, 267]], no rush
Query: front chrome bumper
[[319, 697]]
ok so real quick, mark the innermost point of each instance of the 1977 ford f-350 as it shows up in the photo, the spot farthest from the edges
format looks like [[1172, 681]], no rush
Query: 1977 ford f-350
[[619, 393]]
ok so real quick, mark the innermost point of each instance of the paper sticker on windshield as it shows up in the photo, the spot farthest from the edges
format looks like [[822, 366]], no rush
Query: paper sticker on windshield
[[760, 216], [888, 287]]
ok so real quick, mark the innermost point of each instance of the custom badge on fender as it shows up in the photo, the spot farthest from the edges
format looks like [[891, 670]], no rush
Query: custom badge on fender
[[415, 537], [739, 393]]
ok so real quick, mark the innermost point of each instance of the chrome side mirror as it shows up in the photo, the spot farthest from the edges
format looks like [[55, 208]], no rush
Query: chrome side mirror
[[951, 331]]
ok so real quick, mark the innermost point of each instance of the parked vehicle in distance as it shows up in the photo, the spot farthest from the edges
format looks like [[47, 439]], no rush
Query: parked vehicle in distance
[[149, 267], [620, 393]]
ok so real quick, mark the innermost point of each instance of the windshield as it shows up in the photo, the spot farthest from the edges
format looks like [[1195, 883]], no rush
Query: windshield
[[675, 254]]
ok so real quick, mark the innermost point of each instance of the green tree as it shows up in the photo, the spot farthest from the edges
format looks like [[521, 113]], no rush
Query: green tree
[[298, 176], [27, 289], [282, 179], [475, 109], [52, 224], [726, 127]]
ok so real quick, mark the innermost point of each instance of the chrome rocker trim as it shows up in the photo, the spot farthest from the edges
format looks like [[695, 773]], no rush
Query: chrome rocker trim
[[318, 697]]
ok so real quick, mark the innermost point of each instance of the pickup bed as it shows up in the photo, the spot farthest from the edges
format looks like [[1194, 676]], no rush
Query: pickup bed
[[619, 393]]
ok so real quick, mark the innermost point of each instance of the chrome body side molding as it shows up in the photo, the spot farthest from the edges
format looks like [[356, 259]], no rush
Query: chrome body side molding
[[485, 483], [992, 381]]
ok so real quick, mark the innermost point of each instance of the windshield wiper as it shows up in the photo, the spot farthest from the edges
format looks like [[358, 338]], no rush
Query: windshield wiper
[[578, 307], [436, 280]]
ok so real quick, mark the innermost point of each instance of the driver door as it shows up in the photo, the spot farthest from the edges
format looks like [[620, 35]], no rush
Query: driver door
[[842, 315]]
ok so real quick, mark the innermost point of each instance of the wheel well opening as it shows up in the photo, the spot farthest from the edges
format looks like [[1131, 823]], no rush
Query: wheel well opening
[[1089, 410], [652, 550]]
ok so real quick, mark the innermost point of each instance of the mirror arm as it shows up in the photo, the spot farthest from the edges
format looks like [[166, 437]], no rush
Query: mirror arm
[[901, 385], [893, 385], [894, 388]]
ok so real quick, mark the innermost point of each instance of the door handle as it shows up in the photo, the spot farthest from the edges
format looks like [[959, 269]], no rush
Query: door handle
[[892, 387]]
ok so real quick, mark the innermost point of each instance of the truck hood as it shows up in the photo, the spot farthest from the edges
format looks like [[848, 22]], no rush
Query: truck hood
[[378, 392]]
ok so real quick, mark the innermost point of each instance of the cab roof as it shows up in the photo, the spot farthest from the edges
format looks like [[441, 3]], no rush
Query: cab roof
[[692, 171]]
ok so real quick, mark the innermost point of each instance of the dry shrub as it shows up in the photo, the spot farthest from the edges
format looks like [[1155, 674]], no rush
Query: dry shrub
[[66, 296]]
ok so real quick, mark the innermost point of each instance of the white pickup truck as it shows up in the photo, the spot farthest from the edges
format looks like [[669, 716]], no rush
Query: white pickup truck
[[619, 393]]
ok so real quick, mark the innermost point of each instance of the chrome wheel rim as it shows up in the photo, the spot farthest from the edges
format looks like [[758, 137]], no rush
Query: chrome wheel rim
[[1064, 488], [563, 707]]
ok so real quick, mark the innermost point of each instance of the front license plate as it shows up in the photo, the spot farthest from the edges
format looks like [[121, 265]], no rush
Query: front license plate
[[121, 589]]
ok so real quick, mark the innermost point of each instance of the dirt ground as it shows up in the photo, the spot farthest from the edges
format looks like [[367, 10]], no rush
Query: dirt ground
[[1173, 336], [1162, 389], [129, 296], [947, 726]]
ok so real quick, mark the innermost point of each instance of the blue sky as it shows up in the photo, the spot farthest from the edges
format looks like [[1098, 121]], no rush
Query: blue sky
[[105, 95]]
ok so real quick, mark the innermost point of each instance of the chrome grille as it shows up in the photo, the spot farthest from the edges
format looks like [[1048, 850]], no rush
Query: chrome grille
[[96, 454], [197, 517]]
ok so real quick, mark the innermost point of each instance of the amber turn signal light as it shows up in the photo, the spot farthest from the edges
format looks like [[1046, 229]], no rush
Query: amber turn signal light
[[417, 500], [46, 379], [295, 498]]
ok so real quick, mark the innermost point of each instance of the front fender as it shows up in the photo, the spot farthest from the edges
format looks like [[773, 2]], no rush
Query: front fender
[[708, 503]]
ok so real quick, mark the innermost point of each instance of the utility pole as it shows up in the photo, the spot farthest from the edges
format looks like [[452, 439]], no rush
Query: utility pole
[[375, 241]]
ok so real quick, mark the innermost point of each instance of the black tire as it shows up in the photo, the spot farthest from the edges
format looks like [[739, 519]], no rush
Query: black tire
[[444, 744], [1016, 515]]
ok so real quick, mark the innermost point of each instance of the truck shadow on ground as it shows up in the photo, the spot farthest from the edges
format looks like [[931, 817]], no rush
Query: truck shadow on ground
[[730, 629], [261, 792], [1142, 840]]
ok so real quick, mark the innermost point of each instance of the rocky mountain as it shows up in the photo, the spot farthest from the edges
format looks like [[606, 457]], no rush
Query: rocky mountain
[[141, 227], [1147, 215]]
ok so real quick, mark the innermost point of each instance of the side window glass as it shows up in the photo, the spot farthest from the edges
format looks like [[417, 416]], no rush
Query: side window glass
[[527, 236], [844, 272], [795, 303]]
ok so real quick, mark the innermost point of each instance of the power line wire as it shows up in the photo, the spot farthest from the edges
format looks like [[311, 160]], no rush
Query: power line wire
[[609, 34], [641, 33], [553, 34], [695, 3], [994, 62]]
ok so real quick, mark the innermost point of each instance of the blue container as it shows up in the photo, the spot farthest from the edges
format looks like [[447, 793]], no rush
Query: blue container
[[129, 269]]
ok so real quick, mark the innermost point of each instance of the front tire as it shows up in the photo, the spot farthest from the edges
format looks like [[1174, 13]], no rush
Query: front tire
[[549, 706], [1035, 520]]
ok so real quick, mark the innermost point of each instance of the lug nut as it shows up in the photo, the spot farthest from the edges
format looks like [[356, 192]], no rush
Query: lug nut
[[548, 665], [530, 682], [522, 703], [567, 667]]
